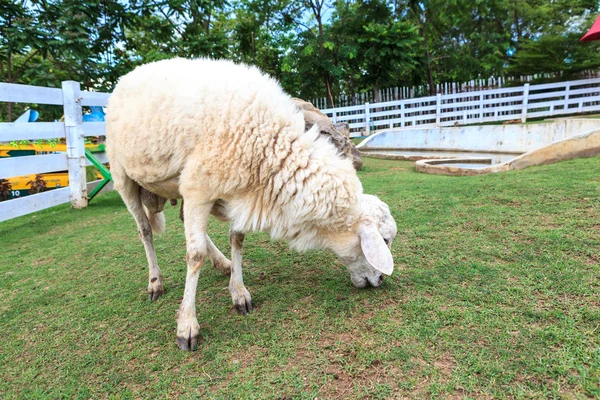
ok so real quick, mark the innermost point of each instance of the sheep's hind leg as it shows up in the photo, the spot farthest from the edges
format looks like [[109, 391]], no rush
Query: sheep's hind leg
[[196, 219], [219, 261], [154, 206], [239, 294], [130, 192]]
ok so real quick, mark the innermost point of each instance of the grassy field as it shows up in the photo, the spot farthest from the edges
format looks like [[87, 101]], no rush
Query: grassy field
[[496, 294]]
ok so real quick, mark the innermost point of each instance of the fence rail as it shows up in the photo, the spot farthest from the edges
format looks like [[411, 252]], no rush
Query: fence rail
[[402, 93], [73, 130], [497, 105]]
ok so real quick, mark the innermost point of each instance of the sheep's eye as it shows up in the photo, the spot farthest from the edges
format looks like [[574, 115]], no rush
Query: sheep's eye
[[387, 241]]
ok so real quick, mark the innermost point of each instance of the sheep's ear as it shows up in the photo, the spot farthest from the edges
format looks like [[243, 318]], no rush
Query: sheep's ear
[[312, 133], [375, 249]]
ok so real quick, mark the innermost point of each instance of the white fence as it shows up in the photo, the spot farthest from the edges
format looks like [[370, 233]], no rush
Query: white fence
[[409, 92], [73, 129], [485, 106]]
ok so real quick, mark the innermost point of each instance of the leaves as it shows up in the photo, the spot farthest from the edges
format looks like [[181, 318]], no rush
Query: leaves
[[314, 48]]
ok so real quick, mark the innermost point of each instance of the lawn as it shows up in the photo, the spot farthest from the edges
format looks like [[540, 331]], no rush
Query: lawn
[[496, 293]]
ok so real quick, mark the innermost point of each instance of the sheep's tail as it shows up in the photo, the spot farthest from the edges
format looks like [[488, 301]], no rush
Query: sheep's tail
[[157, 221]]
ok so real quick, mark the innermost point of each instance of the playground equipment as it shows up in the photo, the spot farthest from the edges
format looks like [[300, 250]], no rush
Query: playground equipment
[[21, 185], [28, 116], [97, 115], [104, 172]]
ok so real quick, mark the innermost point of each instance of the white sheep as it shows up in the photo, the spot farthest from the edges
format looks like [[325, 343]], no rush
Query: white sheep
[[227, 140]]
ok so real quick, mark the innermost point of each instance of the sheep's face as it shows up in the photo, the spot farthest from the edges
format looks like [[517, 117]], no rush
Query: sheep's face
[[367, 254]]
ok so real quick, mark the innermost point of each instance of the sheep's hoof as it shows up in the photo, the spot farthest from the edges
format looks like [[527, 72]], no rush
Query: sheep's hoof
[[242, 301], [187, 338], [188, 343], [244, 308], [155, 288], [155, 294]]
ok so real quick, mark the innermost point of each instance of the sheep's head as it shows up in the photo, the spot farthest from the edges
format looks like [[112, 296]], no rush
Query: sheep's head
[[366, 250]]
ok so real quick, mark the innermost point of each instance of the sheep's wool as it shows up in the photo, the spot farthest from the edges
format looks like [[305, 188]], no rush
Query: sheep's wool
[[209, 130]]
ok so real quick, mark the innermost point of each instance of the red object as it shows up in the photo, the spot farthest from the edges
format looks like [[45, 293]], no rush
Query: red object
[[593, 33]]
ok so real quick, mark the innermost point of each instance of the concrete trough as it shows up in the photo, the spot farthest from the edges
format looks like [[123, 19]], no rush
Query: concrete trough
[[476, 150], [585, 145]]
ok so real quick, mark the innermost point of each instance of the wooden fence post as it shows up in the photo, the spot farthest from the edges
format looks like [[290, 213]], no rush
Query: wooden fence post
[[567, 90], [367, 119], [75, 143], [525, 102], [438, 109]]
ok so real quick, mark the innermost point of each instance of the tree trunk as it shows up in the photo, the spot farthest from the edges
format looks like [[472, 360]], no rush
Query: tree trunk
[[316, 9], [422, 19], [328, 85], [430, 75]]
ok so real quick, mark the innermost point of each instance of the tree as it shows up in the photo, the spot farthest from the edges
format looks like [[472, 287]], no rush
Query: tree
[[263, 32], [560, 54], [315, 48], [20, 41], [554, 47]]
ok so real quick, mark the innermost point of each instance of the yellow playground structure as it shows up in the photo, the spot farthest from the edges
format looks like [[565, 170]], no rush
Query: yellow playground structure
[[22, 185]]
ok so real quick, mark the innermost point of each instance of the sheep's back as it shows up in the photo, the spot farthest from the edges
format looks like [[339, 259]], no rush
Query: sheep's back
[[216, 115]]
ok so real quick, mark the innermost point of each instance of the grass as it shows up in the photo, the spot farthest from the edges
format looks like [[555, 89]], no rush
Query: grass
[[496, 294]]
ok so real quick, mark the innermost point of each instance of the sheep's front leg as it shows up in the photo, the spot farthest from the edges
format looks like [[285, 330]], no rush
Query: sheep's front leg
[[196, 220], [239, 294]]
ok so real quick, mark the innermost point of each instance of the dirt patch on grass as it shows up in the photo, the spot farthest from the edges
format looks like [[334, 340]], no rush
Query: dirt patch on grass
[[248, 357], [42, 261], [445, 365], [507, 202], [339, 358], [342, 384]]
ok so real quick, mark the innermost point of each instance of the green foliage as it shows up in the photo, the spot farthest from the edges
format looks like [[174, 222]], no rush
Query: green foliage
[[315, 48], [387, 48], [91, 173], [17, 144], [561, 55]]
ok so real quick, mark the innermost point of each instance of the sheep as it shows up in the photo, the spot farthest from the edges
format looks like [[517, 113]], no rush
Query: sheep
[[228, 141]]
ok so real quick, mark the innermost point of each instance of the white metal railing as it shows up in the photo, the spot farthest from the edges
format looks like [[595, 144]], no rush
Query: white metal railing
[[505, 104], [400, 93], [73, 129]]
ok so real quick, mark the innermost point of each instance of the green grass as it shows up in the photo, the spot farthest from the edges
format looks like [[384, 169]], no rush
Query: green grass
[[496, 294]]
